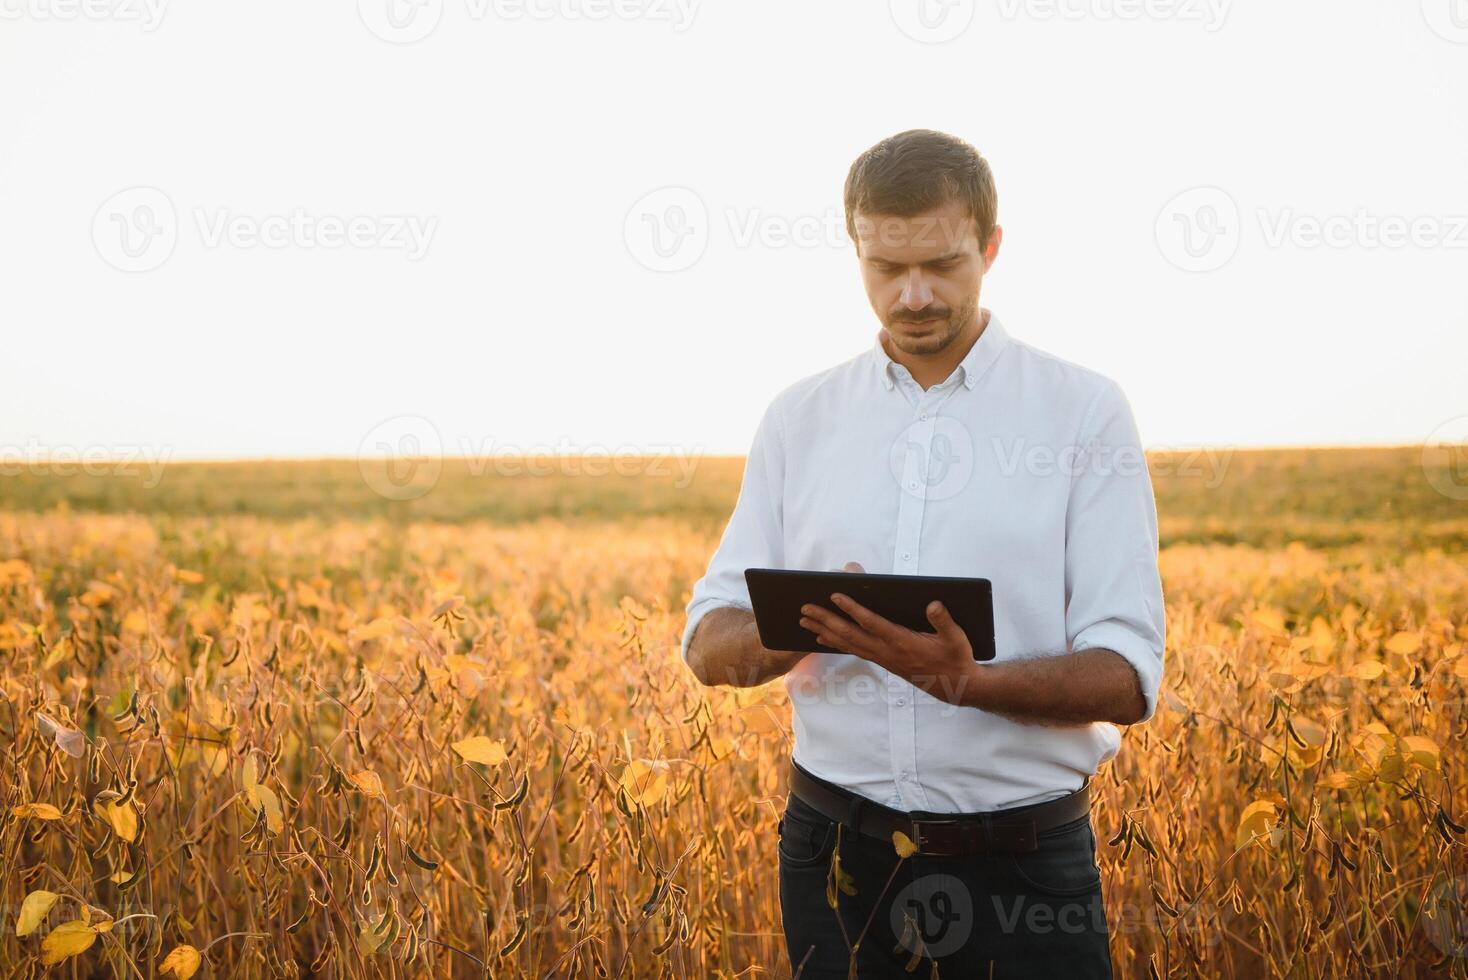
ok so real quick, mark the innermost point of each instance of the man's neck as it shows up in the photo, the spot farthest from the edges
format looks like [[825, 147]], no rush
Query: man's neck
[[930, 369]]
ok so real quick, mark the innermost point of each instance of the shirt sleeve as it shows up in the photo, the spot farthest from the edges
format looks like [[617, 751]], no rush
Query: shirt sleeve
[[1113, 587], [754, 536]]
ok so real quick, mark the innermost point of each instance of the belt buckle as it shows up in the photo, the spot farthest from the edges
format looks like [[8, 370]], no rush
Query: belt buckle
[[919, 838]]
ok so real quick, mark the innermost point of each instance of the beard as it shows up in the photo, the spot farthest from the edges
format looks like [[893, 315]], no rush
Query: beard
[[936, 339]]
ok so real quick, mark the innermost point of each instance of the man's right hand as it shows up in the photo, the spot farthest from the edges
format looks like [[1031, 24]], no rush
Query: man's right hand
[[726, 648]]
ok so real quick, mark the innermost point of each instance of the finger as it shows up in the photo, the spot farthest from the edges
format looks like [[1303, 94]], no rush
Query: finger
[[879, 626], [853, 566], [839, 632], [946, 628]]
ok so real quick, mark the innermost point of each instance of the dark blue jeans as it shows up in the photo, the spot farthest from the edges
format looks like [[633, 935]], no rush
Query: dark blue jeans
[[1000, 915]]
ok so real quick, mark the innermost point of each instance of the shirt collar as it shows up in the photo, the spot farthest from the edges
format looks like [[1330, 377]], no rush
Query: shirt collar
[[980, 357]]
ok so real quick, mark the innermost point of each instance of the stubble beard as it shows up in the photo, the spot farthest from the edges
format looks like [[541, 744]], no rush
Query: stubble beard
[[935, 342]]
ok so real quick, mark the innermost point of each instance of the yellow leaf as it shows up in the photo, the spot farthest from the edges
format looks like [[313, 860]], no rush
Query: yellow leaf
[[645, 781], [67, 940], [259, 797], [1404, 643], [1257, 818], [482, 749], [68, 740], [13, 571], [188, 577], [1270, 619], [99, 919], [1368, 670], [274, 815], [1341, 780], [1422, 751], [1306, 670], [1322, 635], [374, 630], [182, 962], [903, 843], [368, 782], [1390, 766], [122, 816], [121, 877], [837, 880], [374, 935], [98, 594], [58, 653], [33, 911], [136, 622], [40, 811], [449, 605], [1284, 680], [1313, 734]]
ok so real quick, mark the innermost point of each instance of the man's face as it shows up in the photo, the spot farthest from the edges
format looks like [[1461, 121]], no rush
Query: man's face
[[922, 274]]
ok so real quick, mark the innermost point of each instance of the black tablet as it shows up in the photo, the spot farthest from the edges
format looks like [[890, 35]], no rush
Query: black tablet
[[779, 593]]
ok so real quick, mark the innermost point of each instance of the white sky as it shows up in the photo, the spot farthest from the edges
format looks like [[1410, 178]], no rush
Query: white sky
[[523, 150]]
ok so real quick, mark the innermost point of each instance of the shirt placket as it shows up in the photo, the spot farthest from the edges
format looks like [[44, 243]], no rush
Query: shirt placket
[[901, 709]]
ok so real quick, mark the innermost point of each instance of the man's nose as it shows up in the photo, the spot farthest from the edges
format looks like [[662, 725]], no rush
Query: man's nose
[[915, 292]]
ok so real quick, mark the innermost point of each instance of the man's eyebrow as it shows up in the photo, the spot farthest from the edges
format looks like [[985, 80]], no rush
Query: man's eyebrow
[[942, 258]]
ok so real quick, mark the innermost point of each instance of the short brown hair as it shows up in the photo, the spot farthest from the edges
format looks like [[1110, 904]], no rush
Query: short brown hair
[[917, 171]]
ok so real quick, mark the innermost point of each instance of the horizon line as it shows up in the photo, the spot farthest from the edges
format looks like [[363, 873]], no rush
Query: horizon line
[[682, 452]]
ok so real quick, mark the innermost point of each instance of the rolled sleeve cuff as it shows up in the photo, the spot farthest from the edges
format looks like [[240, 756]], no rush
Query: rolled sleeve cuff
[[1145, 657], [702, 608]]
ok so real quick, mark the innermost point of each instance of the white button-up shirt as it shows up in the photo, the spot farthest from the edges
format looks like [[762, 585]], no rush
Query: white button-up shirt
[[1022, 468]]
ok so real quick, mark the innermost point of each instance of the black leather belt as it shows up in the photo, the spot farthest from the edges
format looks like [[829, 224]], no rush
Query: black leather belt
[[1014, 829]]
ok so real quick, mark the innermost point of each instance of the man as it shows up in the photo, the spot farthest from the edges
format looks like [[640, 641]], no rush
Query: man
[[948, 448]]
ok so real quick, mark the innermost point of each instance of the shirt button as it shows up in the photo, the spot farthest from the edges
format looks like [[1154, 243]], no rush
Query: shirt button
[[900, 702], [912, 485], [906, 556], [924, 416]]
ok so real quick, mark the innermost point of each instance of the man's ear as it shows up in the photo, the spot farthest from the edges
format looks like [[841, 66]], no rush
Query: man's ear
[[991, 251]]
